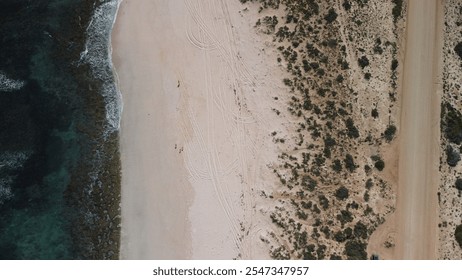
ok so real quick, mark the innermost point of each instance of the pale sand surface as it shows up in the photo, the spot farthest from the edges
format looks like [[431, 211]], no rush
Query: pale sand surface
[[413, 227], [155, 191], [197, 91]]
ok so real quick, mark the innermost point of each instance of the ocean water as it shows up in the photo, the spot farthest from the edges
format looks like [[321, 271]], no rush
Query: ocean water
[[59, 119]]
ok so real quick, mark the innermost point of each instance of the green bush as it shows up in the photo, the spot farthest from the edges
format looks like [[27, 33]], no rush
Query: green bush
[[394, 64], [458, 49], [366, 196], [453, 124], [452, 156], [367, 169], [331, 16], [306, 65], [355, 250], [302, 215], [397, 9], [344, 217], [380, 165], [363, 61], [390, 132], [323, 201], [346, 5], [335, 257], [342, 193], [348, 232], [339, 236], [378, 49], [326, 231], [270, 23], [352, 130], [349, 163], [337, 166], [360, 230], [321, 251], [459, 184], [369, 184], [307, 205], [332, 43], [308, 252], [458, 235], [375, 113], [329, 141], [308, 183]]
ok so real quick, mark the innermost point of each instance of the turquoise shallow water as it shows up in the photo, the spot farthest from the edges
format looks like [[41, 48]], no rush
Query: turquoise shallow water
[[59, 163]]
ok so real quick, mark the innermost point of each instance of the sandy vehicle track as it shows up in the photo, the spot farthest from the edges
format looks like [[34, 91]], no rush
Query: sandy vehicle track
[[417, 205]]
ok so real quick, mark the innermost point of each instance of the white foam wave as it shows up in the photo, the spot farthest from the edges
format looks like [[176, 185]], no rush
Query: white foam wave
[[10, 161], [98, 52], [13, 160], [5, 189], [7, 84]]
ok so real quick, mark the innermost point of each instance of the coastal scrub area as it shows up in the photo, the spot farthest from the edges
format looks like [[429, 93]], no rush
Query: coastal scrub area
[[449, 194], [337, 164]]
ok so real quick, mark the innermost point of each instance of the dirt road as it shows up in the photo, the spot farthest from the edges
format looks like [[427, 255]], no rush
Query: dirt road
[[419, 145]]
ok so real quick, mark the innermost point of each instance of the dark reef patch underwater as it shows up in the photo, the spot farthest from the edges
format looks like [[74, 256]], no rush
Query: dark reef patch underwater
[[59, 117]]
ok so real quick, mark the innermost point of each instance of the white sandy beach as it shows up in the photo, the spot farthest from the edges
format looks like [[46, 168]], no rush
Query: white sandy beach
[[197, 90]]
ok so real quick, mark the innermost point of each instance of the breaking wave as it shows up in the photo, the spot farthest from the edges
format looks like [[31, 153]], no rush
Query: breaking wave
[[5, 189], [7, 84], [13, 160], [98, 53], [9, 161]]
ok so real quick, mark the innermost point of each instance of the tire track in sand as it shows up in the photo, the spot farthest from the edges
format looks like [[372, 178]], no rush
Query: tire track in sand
[[213, 160], [215, 34]]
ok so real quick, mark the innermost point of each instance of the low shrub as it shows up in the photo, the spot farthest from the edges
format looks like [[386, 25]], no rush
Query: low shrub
[[458, 49], [342, 193], [452, 156], [331, 16], [363, 61], [458, 184], [355, 250], [380, 165], [458, 235], [349, 163], [389, 133]]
